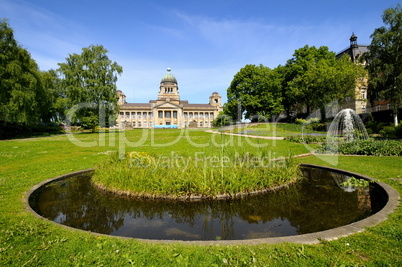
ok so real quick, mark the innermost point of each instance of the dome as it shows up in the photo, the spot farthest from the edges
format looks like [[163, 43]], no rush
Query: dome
[[168, 77]]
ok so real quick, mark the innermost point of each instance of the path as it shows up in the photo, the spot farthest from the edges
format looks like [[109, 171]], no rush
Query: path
[[246, 135]]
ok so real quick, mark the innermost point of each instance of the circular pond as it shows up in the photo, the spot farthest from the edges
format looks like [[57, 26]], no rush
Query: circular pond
[[317, 203]]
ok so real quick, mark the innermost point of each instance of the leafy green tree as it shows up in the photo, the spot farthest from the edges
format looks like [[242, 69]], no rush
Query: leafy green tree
[[21, 88], [51, 101], [222, 120], [385, 60], [89, 79], [314, 78], [255, 91]]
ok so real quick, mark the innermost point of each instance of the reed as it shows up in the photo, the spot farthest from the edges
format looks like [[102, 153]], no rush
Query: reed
[[145, 175]]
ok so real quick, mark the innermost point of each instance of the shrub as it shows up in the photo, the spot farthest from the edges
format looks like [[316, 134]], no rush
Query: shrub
[[364, 147], [222, 120], [306, 139], [309, 121], [319, 127], [398, 130], [9, 130], [392, 132]]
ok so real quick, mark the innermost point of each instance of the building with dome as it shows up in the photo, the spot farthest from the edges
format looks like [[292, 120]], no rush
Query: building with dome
[[167, 111]]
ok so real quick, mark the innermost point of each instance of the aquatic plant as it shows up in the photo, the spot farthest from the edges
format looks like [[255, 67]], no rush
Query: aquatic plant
[[142, 174]]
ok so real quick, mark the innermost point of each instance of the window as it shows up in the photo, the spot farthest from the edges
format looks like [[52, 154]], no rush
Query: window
[[191, 115], [196, 115], [167, 114], [134, 124], [160, 114], [363, 109], [139, 115], [378, 108], [175, 114], [121, 115], [185, 115], [206, 116], [363, 94], [127, 115], [139, 124], [133, 115]]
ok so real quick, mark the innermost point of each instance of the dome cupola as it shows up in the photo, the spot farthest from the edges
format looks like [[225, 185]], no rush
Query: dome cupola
[[168, 77], [169, 89]]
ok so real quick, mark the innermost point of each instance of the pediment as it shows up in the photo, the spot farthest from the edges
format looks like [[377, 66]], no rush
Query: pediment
[[167, 105]]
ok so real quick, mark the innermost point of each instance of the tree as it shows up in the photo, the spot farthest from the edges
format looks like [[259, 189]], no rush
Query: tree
[[51, 101], [255, 91], [20, 81], [314, 78], [222, 120], [89, 79], [384, 60]]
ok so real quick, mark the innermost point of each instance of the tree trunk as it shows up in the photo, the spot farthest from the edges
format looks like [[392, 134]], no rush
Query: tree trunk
[[323, 114], [396, 118]]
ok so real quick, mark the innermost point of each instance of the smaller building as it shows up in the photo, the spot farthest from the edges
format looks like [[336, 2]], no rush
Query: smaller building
[[360, 102], [167, 111]]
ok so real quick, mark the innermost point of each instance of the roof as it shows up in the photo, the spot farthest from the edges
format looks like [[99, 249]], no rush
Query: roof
[[135, 105], [198, 106], [168, 77], [354, 53]]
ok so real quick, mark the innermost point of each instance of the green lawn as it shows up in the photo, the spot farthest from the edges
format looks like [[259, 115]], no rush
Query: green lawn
[[26, 240], [276, 129]]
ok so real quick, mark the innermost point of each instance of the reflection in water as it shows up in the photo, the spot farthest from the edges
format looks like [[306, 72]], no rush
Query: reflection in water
[[316, 203]]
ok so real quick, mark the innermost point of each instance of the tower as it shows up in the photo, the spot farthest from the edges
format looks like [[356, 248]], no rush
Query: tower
[[215, 99], [354, 47], [121, 98], [353, 41], [168, 89]]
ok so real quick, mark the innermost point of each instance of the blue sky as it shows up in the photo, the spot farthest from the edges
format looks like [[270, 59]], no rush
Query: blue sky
[[205, 43]]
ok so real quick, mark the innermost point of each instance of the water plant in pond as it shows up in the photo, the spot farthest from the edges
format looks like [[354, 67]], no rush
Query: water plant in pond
[[355, 182], [142, 174]]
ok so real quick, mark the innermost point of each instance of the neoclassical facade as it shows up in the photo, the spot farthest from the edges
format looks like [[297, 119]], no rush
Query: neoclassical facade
[[168, 111]]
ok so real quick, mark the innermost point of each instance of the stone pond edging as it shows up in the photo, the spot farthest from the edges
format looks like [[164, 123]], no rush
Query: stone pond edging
[[311, 238]]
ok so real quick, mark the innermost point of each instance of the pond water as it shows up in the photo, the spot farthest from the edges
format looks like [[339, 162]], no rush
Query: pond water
[[316, 203]]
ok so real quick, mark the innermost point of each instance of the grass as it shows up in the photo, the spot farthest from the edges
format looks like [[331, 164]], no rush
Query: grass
[[26, 240], [140, 174], [276, 129]]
